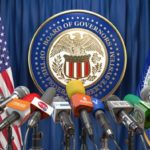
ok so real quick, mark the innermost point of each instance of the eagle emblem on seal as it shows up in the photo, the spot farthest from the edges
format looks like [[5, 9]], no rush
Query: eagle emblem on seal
[[77, 54]]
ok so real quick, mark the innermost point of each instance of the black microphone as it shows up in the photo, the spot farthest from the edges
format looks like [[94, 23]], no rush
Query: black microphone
[[2, 98], [62, 110], [19, 92], [9, 120], [41, 107]]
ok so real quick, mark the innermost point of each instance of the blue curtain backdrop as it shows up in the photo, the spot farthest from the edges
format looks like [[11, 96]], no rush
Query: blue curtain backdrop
[[131, 17]]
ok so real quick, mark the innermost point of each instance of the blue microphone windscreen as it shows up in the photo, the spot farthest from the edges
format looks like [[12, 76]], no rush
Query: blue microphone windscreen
[[97, 105]]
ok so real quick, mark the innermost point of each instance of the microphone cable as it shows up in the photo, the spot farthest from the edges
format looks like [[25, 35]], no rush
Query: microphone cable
[[146, 139], [25, 138], [116, 144], [143, 141], [96, 147], [94, 143], [74, 142]]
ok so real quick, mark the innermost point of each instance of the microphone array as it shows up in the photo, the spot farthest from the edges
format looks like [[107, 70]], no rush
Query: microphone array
[[133, 112]]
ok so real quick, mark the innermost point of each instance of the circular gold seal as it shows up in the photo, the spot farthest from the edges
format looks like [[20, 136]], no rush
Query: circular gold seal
[[77, 54], [77, 44]]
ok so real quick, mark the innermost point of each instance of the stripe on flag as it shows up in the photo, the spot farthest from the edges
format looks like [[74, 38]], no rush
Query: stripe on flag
[[7, 80], [4, 87]]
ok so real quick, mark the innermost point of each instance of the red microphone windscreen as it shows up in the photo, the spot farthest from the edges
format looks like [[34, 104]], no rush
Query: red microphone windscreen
[[31, 96]]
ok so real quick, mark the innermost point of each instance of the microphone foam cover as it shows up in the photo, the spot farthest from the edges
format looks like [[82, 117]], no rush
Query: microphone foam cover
[[31, 96], [79, 102], [21, 107], [48, 95], [74, 87], [113, 98], [21, 91], [132, 99], [58, 99], [145, 94], [97, 105]]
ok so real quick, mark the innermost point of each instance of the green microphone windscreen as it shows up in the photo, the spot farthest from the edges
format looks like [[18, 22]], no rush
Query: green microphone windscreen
[[132, 99]]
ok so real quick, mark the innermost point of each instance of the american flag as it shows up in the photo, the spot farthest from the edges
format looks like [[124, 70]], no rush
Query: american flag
[[6, 88]]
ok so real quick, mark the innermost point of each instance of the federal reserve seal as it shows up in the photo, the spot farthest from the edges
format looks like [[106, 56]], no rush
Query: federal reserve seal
[[77, 44]]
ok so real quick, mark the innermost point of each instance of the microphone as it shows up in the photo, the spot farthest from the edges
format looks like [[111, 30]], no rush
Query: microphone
[[73, 87], [2, 98], [19, 92], [113, 98], [18, 111], [41, 107], [81, 104], [132, 99], [110, 98], [141, 110], [30, 97], [145, 94], [120, 110], [98, 112], [62, 110], [140, 113]]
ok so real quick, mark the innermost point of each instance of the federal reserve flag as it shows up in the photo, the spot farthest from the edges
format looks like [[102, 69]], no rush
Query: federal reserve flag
[[6, 88], [144, 83], [145, 80]]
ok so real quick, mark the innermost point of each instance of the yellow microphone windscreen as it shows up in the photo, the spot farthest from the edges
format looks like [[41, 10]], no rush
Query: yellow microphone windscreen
[[74, 87]]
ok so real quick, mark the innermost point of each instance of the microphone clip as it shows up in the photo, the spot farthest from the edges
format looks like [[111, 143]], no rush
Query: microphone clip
[[10, 138], [36, 138]]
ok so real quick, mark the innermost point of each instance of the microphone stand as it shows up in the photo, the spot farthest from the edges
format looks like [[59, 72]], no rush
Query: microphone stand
[[36, 138], [83, 140], [131, 140], [67, 142], [104, 142], [10, 138], [68, 135]]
